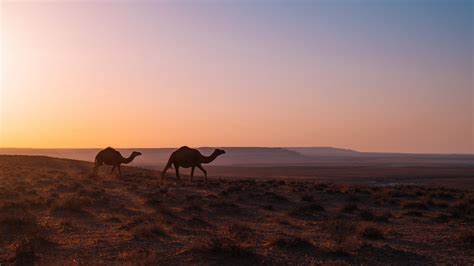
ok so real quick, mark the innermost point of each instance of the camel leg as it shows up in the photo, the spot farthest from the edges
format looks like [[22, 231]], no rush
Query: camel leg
[[163, 173], [204, 171], [192, 173], [96, 168], [113, 168], [120, 170], [177, 171]]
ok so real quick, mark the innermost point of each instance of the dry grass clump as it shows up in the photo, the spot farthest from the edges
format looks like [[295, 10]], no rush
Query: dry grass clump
[[291, 242], [198, 222], [370, 231], [467, 237], [16, 225], [368, 215], [71, 203], [343, 238], [307, 198], [226, 247], [147, 231], [413, 214], [239, 231], [226, 207], [349, 208], [275, 197], [463, 209], [414, 205], [312, 210]]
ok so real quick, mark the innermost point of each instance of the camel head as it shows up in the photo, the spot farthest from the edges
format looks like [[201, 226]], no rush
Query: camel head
[[219, 151], [135, 154]]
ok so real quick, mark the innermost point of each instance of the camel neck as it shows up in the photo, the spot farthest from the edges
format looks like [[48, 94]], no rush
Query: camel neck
[[208, 159], [127, 160]]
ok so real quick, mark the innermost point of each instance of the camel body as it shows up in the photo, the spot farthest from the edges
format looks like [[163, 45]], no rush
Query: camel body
[[186, 157], [110, 156]]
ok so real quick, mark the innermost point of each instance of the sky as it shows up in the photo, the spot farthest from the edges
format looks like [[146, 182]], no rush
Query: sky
[[385, 75]]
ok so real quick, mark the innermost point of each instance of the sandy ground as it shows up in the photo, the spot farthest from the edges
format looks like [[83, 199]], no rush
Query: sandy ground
[[52, 211]]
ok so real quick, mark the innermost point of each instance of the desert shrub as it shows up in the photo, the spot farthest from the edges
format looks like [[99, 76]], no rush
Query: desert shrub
[[153, 199], [268, 207], [443, 195], [239, 232], [15, 225], [193, 207], [274, 197], [353, 198], [414, 205], [441, 218], [71, 204], [368, 215], [233, 189], [225, 247], [226, 207], [198, 222], [372, 232], [308, 211], [291, 243], [343, 238], [413, 214], [145, 231], [307, 198], [349, 208], [462, 209], [467, 237], [25, 253]]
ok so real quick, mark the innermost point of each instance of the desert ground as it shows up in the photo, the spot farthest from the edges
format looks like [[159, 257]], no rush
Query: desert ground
[[54, 212]]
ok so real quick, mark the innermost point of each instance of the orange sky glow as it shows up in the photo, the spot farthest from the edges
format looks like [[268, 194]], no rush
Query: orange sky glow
[[167, 74]]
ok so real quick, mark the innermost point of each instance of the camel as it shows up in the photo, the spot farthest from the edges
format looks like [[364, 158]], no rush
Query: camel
[[110, 156], [186, 157]]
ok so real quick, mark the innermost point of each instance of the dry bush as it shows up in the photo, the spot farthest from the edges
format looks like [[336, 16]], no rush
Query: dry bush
[[443, 195], [291, 242], [146, 231], [226, 207], [274, 197], [413, 214], [463, 209], [268, 207], [343, 238], [414, 205], [197, 222], [307, 198], [14, 225], [368, 215], [308, 211], [239, 231], [71, 203], [467, 237], [226, 247], [349, 208], [370, 231]]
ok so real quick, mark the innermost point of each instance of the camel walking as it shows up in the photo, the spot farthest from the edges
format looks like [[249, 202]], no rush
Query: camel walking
[[110, 156], [186, 157]]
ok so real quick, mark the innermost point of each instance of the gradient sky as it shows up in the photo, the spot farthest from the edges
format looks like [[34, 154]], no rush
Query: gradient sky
[[393, 75]]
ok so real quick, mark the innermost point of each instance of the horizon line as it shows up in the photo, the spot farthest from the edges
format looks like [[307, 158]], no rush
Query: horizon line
[[201, 147]]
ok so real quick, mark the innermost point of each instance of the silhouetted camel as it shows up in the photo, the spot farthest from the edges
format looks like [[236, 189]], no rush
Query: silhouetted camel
[[111, 156], [187, 157]]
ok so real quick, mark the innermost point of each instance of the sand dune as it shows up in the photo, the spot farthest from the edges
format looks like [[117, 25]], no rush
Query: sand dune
[[53, 212]]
